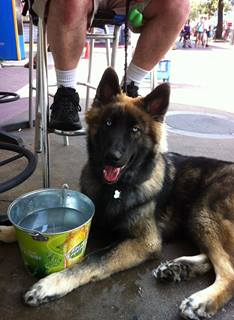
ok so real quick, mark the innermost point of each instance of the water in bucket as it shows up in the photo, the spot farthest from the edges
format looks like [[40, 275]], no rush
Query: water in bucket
[[53, 220]]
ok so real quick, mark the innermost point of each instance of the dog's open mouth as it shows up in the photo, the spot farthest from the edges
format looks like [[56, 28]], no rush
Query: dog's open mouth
[[112, 174]]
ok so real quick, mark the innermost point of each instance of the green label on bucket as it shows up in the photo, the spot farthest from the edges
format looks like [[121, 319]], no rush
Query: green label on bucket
[[44, 254]]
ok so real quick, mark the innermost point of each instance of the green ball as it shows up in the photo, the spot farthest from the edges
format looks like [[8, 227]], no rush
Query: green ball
[[135, 18]]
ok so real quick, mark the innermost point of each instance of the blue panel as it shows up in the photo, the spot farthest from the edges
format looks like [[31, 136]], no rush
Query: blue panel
[[21, 47], [9, 41], [163, 70]]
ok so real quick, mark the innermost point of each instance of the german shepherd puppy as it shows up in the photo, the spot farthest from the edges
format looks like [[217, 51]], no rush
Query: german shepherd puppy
[[143, 195]]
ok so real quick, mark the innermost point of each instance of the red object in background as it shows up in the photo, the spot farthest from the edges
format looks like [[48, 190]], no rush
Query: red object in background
[[86, 52]]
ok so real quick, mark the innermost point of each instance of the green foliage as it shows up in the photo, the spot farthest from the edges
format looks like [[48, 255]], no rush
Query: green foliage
[[207, 7]]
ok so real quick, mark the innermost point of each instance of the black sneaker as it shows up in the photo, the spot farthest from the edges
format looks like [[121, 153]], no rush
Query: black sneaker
[[132, 90], [64, 111]]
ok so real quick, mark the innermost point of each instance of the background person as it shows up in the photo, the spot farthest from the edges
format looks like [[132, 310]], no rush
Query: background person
[[199, 30]]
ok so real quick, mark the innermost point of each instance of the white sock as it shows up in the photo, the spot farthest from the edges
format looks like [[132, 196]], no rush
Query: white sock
[[135, 74], [66, 78]]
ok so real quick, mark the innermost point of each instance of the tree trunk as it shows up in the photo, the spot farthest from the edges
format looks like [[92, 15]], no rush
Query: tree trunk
[[219, 30]]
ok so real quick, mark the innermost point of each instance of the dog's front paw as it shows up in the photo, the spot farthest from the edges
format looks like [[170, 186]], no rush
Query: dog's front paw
[[50, 288], [172, 271], [192, 308]]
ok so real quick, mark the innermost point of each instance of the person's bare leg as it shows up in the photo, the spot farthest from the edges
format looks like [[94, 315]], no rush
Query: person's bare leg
[[164, 20], [66, 27]]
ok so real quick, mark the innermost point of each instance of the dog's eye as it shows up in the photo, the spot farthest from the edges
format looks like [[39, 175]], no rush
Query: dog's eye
[[108, 122], [136, 129]]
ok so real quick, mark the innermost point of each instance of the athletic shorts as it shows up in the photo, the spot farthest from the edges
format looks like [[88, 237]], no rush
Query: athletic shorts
[[118, 6]]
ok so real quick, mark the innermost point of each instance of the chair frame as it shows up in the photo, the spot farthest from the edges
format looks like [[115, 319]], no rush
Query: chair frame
[[41, 142]]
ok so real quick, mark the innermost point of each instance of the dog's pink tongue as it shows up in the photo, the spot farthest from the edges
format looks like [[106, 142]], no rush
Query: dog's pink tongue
[[111, 174]]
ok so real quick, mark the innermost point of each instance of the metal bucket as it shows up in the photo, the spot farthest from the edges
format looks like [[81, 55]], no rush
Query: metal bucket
[[52, 227]]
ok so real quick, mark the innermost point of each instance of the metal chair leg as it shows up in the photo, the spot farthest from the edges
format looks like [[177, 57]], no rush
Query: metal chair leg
[[90, 64], [42, 102], [66, 141], [30, 107], [115, 45], [110, 62], [152, 79], [107, 42]]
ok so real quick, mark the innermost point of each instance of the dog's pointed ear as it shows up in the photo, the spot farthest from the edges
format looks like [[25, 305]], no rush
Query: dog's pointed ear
[[108, 88], [157, 102]]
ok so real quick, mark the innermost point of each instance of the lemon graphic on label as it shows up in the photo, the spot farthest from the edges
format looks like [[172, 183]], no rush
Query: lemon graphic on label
[[74, 245]]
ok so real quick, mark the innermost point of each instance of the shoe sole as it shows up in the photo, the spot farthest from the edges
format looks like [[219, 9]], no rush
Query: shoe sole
[[65, 127]]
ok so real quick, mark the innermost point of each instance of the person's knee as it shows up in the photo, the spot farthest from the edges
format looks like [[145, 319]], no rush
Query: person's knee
[[181, 8], [174, 10], [70, 12]]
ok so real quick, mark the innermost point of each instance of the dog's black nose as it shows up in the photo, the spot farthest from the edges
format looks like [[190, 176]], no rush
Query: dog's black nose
[[113, 156]]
